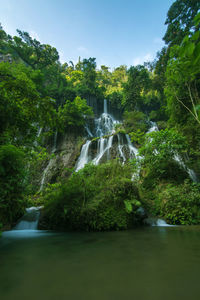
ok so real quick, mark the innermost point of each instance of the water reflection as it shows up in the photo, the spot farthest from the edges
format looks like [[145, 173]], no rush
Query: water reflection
[[155, 263]]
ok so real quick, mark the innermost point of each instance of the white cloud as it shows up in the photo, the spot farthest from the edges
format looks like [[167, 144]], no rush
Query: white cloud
[[141, 59]]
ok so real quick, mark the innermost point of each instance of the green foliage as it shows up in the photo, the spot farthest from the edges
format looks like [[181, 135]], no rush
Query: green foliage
[[38, 92], [183, 71], [137, 136], [12, 183], [32, 52], [82, 204], [179, 204], [21, 106], [180, 20], [134, 120], [137, 84], [74, 113], [159, 152]]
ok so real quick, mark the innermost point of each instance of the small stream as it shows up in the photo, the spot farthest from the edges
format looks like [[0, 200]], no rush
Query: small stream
[[151, 263]]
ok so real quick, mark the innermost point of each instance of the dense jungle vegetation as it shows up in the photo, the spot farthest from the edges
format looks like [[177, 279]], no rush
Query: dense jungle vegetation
[[37, 91]]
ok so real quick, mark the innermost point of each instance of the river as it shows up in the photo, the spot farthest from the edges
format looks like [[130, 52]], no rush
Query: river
[[152, 263]]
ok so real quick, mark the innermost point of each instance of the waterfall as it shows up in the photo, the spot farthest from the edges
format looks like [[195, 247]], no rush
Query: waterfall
[[153, 127], [83, 158], [45, 173], [120, 149], [105, 107], [133, 150], [39, 132], [105, 145], [156, 222], [54, 142], [30, 220], [189, 171], [88, 131], [105, 131], [192, 175]]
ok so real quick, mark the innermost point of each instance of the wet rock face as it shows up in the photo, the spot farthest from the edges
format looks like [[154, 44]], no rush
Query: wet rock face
[[119, 149], [102, 144], [65, 155]]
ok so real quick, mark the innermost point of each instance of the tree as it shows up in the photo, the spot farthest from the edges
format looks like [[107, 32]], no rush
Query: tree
[[12, 183], [22, 109], [180, 20], [74, 113], [4, 39], [89, 75], [183, 84], [32, 52], [160, 153], [137, 83]]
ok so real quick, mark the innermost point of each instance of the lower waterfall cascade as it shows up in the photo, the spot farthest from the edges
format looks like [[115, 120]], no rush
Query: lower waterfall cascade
[[30, 220]]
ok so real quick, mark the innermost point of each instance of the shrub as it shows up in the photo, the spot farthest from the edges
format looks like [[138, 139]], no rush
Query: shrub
[[180, 204], [159, 157], [12, 183], [95, 198]]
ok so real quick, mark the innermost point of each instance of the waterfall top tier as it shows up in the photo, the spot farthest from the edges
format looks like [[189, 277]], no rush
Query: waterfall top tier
[[105, 125]]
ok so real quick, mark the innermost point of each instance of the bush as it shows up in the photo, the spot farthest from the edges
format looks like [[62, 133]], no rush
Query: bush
[[12, 183], [95, 198], [134, 120], [179, 204], [159, 157]]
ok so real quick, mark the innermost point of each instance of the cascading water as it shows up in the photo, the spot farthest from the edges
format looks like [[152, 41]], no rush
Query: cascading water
[[133, 150], [120, 148], [104, 129], [153, 127], [30, 220], [105, 106], [190, 171], [83, 158]]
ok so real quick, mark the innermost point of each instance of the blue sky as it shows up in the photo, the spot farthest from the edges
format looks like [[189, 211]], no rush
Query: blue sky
[[116, 32]]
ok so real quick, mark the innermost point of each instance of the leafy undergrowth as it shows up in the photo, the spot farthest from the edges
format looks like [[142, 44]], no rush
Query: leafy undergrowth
[[97, 198]]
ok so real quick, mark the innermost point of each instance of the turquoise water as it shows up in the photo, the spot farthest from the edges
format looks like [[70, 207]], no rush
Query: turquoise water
[[155, 263]]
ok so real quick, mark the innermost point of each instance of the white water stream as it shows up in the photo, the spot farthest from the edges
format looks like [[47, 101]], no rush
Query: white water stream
[[30, 220], [105, 130]]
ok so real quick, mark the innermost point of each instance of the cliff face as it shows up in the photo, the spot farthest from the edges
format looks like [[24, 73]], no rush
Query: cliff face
[[72, 150], [113, 147], [64, 155]]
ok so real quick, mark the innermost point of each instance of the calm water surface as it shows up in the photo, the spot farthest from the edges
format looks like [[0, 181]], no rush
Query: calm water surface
[[155, 263]]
